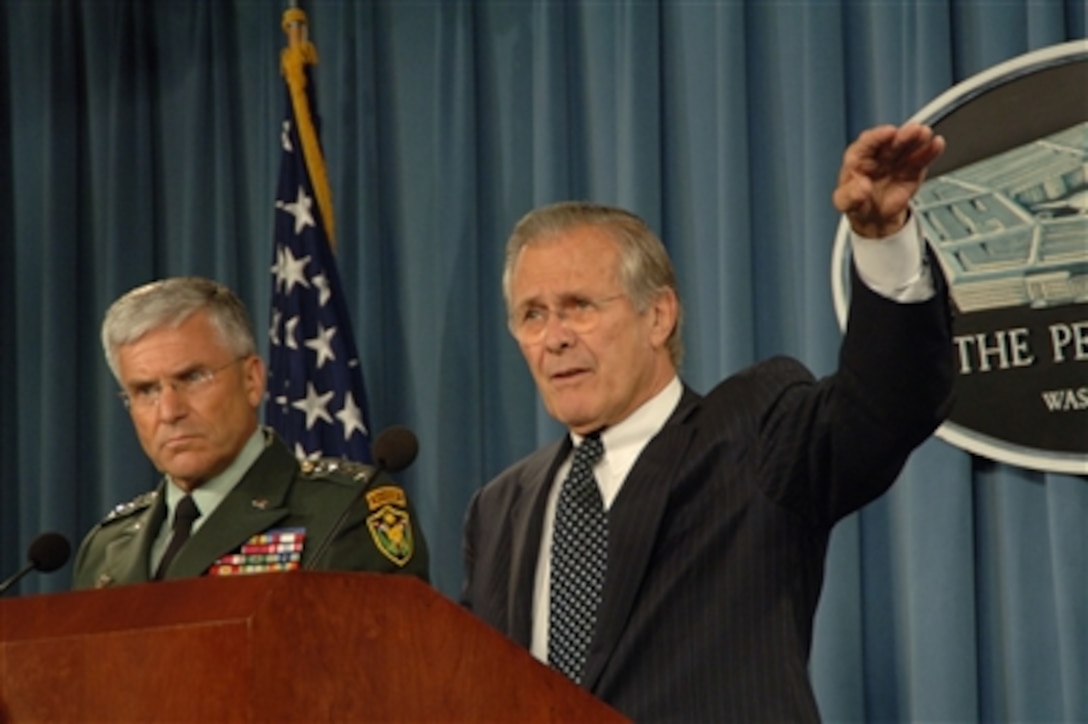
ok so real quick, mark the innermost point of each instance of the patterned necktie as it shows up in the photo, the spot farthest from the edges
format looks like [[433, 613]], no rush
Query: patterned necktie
[[186, 513], [579, 557]]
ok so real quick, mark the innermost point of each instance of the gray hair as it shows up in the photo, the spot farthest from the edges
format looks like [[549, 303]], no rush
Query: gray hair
[[169, 303], [645, 267]]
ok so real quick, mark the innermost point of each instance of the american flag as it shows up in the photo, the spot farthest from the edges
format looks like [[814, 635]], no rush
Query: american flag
[[316, 398]]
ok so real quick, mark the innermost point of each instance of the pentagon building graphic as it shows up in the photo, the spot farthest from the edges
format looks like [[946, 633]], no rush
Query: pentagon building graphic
[[1012, 230]]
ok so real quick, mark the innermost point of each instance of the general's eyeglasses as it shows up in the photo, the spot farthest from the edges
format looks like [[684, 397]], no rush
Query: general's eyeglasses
[[579, 314], [147, 396]]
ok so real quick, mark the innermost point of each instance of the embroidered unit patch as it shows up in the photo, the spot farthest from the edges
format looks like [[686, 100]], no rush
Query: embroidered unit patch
[[391, 529]]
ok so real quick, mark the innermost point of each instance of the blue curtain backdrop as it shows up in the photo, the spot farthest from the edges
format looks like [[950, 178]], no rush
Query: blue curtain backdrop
[[140, 139]]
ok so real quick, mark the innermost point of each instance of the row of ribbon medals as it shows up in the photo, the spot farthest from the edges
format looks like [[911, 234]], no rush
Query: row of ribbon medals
[[273, 550]]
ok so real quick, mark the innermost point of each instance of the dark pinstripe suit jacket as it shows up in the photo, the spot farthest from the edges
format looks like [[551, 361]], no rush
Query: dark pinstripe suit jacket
[[718, 537]]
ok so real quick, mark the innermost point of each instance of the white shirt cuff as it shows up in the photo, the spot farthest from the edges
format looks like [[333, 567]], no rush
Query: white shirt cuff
[[896, 266]]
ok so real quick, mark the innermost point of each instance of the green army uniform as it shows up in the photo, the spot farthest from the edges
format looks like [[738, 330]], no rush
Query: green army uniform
[[277, 493]]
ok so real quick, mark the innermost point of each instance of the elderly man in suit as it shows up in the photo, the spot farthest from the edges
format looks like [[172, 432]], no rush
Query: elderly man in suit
[[668, 553], [233, 498]]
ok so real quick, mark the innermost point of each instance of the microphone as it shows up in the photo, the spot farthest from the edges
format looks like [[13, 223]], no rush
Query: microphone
[[393, 450], [47, 553]]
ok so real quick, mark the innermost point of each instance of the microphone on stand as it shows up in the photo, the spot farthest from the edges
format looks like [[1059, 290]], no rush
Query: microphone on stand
[[47, 553], [393, 450]]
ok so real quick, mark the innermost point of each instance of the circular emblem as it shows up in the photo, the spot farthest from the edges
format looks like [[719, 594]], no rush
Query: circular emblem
[[1005, 211]]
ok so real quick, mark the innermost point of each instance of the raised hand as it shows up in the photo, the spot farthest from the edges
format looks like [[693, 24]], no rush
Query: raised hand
[[881, 171]]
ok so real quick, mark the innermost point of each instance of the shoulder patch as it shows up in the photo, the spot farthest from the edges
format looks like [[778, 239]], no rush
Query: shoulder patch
[[140, 502], [390, 525], [386, 495]]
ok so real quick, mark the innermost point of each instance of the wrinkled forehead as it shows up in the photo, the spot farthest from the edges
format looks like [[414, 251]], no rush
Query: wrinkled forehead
[[580, 261]]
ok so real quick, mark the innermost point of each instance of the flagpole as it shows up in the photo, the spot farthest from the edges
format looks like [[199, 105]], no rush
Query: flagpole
[[316, 400], [296, 57]]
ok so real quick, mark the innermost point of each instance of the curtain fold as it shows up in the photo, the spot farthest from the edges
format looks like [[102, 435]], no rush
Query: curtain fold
[[140, 140]]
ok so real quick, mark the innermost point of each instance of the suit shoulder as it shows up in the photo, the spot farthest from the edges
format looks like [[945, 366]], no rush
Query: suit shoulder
[[779, 367], [530, 465], [750, 394], [523, 475], [765, 379]]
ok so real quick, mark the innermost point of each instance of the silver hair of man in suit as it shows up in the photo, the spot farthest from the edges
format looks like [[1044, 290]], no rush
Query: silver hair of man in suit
[[645, 267], [168, 303]]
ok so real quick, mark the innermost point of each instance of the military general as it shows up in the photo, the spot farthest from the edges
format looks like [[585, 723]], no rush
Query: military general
[[233, 499]]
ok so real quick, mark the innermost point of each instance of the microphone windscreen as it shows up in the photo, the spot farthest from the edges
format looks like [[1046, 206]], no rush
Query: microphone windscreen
[[395, 449], [48, 552]]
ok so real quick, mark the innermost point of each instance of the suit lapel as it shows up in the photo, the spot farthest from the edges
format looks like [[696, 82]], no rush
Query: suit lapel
[[527, 523], [255, 504], [633, 522]]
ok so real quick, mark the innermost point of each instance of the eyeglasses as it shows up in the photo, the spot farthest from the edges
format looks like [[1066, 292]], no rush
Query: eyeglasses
[[579, 314], [146, 396]]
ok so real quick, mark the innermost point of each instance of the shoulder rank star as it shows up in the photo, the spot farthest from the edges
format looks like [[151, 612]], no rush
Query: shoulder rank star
[[138, 503], [325, 466]]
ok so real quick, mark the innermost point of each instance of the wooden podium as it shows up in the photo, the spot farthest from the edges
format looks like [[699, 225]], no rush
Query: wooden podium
[[273, 647]]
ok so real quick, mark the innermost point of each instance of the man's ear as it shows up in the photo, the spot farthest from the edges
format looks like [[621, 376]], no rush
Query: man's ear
[[663, 312], [255, 377]]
